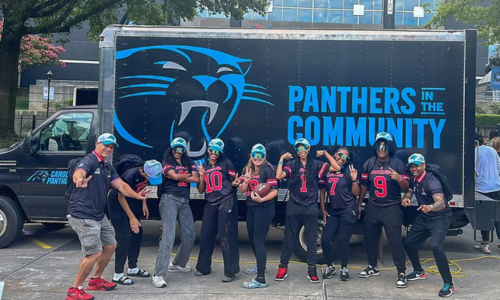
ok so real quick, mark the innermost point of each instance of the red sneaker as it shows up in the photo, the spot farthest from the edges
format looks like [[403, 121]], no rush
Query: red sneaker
[[77, 294], [282, 273], [100, 284]]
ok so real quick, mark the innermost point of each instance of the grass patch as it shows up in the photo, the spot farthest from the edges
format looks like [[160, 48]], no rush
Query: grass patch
[[22, 103]]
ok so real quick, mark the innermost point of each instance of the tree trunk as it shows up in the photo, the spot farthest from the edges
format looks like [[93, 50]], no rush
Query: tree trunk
[[9, 56]]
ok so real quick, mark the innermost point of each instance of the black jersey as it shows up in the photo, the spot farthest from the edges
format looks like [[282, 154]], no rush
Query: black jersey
[[171, 186], [425, 188], [384, 191], [266, 174], [137, 182], [339, 188], [218, 181], [303, 191]]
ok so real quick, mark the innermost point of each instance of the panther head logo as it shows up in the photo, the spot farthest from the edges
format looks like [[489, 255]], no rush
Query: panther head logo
[[203, 86], [39, 176]]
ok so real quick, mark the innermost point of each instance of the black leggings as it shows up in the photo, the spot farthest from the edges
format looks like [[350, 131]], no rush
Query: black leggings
[[341, 221], [259, 220]]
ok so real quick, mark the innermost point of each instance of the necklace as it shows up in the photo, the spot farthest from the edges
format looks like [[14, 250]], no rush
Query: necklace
[[382, 165]]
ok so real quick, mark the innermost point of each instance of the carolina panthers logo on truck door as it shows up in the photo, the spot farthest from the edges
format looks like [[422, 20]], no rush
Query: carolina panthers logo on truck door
[[206, 87]]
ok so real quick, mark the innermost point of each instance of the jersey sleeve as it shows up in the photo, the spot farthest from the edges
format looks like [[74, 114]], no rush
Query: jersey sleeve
[[322, 167], [435, 187], [85, 165], [114, 174], [231, 170], [401, 169], [365, 174], [270, 177], [288, 169], [167, 168]]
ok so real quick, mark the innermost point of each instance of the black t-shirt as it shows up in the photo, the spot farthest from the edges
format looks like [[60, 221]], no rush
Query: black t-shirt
[[425, 188], [384, 191], [137, 182], [178, 188], [339, 188], [218, 181], [303, 191], [89, 202], [266, 174]]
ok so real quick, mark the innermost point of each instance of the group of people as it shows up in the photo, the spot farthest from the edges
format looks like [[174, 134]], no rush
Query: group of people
[[336, 181]]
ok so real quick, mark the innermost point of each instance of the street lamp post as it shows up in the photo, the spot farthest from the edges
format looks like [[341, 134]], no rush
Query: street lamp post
[[49, 79]]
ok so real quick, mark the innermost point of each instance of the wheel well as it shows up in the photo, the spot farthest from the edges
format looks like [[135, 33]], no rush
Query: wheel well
[[8, 192]]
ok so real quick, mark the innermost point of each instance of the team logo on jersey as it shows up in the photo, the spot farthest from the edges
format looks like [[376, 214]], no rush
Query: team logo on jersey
[[46, 177], [203, 86]]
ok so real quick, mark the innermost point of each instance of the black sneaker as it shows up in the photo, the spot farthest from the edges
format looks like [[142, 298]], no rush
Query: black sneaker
[[344, 274], [329, 272], [369, 271], [416, 275], [312, 275], [447, 290], [401, 283]]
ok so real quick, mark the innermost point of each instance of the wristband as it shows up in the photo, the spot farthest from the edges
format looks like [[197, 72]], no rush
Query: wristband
[[400, 178], [280, 163]]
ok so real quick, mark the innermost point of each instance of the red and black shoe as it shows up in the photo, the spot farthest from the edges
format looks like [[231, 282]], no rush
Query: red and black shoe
[[78, 294], [100, 284], [312, 275], [282, 273]]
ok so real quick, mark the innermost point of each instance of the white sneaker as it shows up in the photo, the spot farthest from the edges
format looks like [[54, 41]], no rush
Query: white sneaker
[[159, 282], [176, 268]]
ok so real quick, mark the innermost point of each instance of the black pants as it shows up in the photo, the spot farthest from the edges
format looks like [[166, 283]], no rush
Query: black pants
[[220, 220], [391, 219], [436, 229], [296, 216], [128, 243], [259, 220], [485, 234], [341, 221]]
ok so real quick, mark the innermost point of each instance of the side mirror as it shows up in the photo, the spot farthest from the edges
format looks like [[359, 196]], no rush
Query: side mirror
[[31, 143]]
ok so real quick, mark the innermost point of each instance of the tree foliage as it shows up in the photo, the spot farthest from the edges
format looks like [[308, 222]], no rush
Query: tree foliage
[[22, 17], [485, 15]]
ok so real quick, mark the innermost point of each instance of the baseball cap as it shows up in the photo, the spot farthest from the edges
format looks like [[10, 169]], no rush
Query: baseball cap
[[259, 148], [416, 158], [178, 142], [216, 144], [383, 135], [107, 139], [302, 141], [153, 169]]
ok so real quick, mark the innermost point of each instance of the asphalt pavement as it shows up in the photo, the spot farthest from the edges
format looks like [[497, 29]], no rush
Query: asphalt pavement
[[42, 264]]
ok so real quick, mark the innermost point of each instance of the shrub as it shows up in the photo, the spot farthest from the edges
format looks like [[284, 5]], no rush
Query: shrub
[[487, 119]]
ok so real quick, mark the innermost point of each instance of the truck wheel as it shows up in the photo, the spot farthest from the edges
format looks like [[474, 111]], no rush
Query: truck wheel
[[11, 221], [301, 248]]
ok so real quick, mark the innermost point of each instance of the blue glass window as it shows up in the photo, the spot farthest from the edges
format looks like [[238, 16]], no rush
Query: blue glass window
[[320, 16], [276, 15], [409, 20], [290, 3], [349, 4], [399, 5], [289, 15], [277, 2], [321, 3], [368, 5], [426, 18], [305, 15], [409, 4], [336, 4], [256, 16], [335, 16], [349, 18], [398, 20], [367, 18], [377, 4], [377, 18], [305, 3]]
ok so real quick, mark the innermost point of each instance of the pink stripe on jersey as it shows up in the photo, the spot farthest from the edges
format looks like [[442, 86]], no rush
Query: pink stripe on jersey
[[272, 181], [322, 170]]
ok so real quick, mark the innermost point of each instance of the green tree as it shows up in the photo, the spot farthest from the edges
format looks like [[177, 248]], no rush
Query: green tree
[[22, 17]]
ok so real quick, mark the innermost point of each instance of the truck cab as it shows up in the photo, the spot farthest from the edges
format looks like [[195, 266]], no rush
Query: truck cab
[[33, 171]]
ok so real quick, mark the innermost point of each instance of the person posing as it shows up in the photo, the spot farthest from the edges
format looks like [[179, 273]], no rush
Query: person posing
[[218, 180], [341, 215], [260, 210], [179, 171], [302, 209], [384, 175], [93, 177], [433, 220], [125, 214]]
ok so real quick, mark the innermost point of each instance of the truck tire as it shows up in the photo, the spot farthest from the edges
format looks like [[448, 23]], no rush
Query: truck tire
[[300, 249], [11, 221]]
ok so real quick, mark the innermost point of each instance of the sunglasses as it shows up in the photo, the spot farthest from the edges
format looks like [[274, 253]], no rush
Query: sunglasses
[[179, 150], [216, 152], [343, 156], [382, 147], [301, 149], [258, 155]]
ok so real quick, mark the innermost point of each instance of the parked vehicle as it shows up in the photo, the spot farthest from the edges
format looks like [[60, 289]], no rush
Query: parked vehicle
[[249, 86]]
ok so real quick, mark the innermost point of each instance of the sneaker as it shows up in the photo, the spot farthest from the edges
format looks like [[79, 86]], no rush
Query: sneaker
[[226, 278], [159, 282], [313, 275], [100, 284], [199, 273], [416, 275], [78, 294], [344, 274], [282, 273], [329, 272], [498, 245], [447, 290], [401, 283], [369, 271], [176, 268], [484, 248]]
